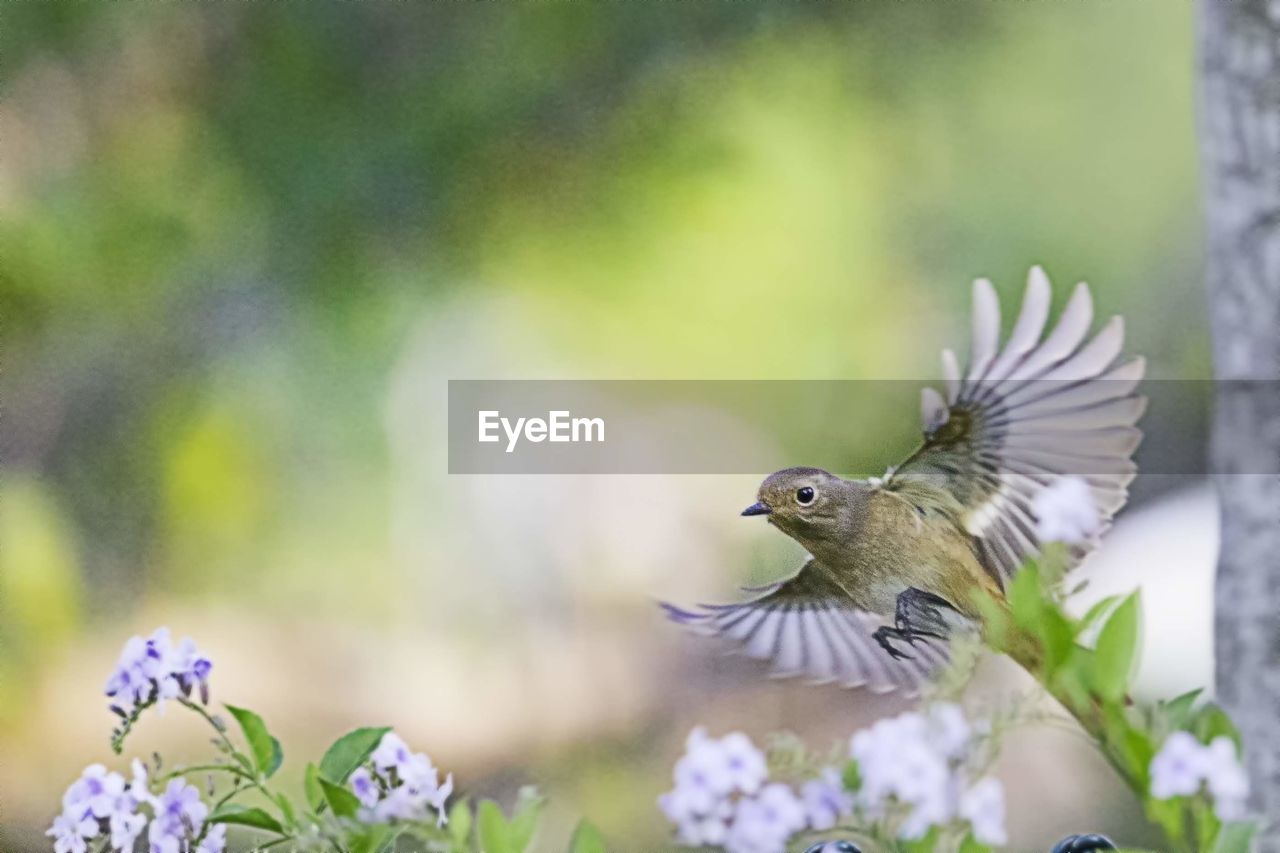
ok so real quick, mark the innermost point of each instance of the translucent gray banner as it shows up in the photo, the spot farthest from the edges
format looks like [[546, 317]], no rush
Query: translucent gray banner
[[754, 427]]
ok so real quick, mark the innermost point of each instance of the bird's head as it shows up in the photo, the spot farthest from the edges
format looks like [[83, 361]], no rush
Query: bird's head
[[798, 499]]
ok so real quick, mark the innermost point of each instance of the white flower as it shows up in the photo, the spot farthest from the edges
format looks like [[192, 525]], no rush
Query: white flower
[[1179, 767], [949, 729], [1228, 783], [1066, 512], [825, 800], [983, 806]]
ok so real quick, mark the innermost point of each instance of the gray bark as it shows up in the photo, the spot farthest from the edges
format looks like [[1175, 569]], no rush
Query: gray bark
[[1240, 126]]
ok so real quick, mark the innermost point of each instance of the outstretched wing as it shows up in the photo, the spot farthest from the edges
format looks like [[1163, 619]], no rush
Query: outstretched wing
[[1026, 414], [808, 627]]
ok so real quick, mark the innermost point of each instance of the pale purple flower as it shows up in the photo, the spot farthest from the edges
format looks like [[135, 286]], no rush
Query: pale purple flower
[[179, 818], [696, 827], [1179, 767], [982, 805], [125, 828], [402, 785], [825, 800], [215, 840], [152, 670], [708, 777], [438, 798], [914, 765], [392, 754], [399, 803], [1226, 779], [1066, 512], [898, 761], [71, 831], [949, 729], [745, 768], [97, 792], [765, 822], [365, 787], [140, 786], [699, 774]]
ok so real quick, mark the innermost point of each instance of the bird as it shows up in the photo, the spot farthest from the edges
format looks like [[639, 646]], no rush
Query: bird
[[896, 565]]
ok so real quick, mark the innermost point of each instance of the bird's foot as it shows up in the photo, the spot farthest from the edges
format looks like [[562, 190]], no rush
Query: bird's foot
[[886, 637], [923, 614]]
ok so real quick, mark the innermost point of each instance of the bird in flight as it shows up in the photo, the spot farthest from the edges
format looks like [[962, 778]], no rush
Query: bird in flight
[[896, 565]]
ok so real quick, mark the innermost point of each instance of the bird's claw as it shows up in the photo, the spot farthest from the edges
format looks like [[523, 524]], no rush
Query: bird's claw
[[918, 612], [885, 637]]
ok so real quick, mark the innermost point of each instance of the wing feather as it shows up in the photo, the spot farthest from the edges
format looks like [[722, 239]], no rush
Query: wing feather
[[1027, 414], [807, 627]]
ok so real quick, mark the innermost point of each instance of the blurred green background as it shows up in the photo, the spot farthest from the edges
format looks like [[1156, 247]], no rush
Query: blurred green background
[[244, 245]]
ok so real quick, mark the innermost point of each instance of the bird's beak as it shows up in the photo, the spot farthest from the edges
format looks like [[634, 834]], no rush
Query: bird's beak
[[757, 508]]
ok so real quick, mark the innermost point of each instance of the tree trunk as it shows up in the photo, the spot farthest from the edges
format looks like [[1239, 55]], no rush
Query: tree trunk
[[1240, 124]]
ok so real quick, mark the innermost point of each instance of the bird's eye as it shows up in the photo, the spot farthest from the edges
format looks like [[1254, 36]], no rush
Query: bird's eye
[[805, 495]]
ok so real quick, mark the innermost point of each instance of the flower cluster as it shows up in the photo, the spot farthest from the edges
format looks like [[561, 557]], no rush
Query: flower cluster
[[152, 670], [913, 770], [1067, 512], [1183, 764], [101, 804], [397, 784], [722, 796]]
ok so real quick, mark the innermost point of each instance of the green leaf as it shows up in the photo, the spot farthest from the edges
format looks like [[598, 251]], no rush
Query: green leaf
[[928, 844], [495, 835], [311, 786], [587, 839], [972, 845], [241, 816], [342, 801], [287, 811], [852, 776], [525, 820], [1025, 598], [460, 824], [996, 619], [349, 752], [1235, 838], [374, 838], [1178, 710], [1059, 639], [1096, 612], [1116, 651], [266, 751], [1213, 722]]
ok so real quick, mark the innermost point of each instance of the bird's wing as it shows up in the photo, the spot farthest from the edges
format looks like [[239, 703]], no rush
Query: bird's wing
[[808, 627], [1024, 414]]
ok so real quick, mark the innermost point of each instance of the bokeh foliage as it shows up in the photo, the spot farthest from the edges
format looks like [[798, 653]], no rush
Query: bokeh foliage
[[224, 227]]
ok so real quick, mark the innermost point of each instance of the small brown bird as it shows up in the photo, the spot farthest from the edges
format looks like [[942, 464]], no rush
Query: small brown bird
[[896, 563]]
